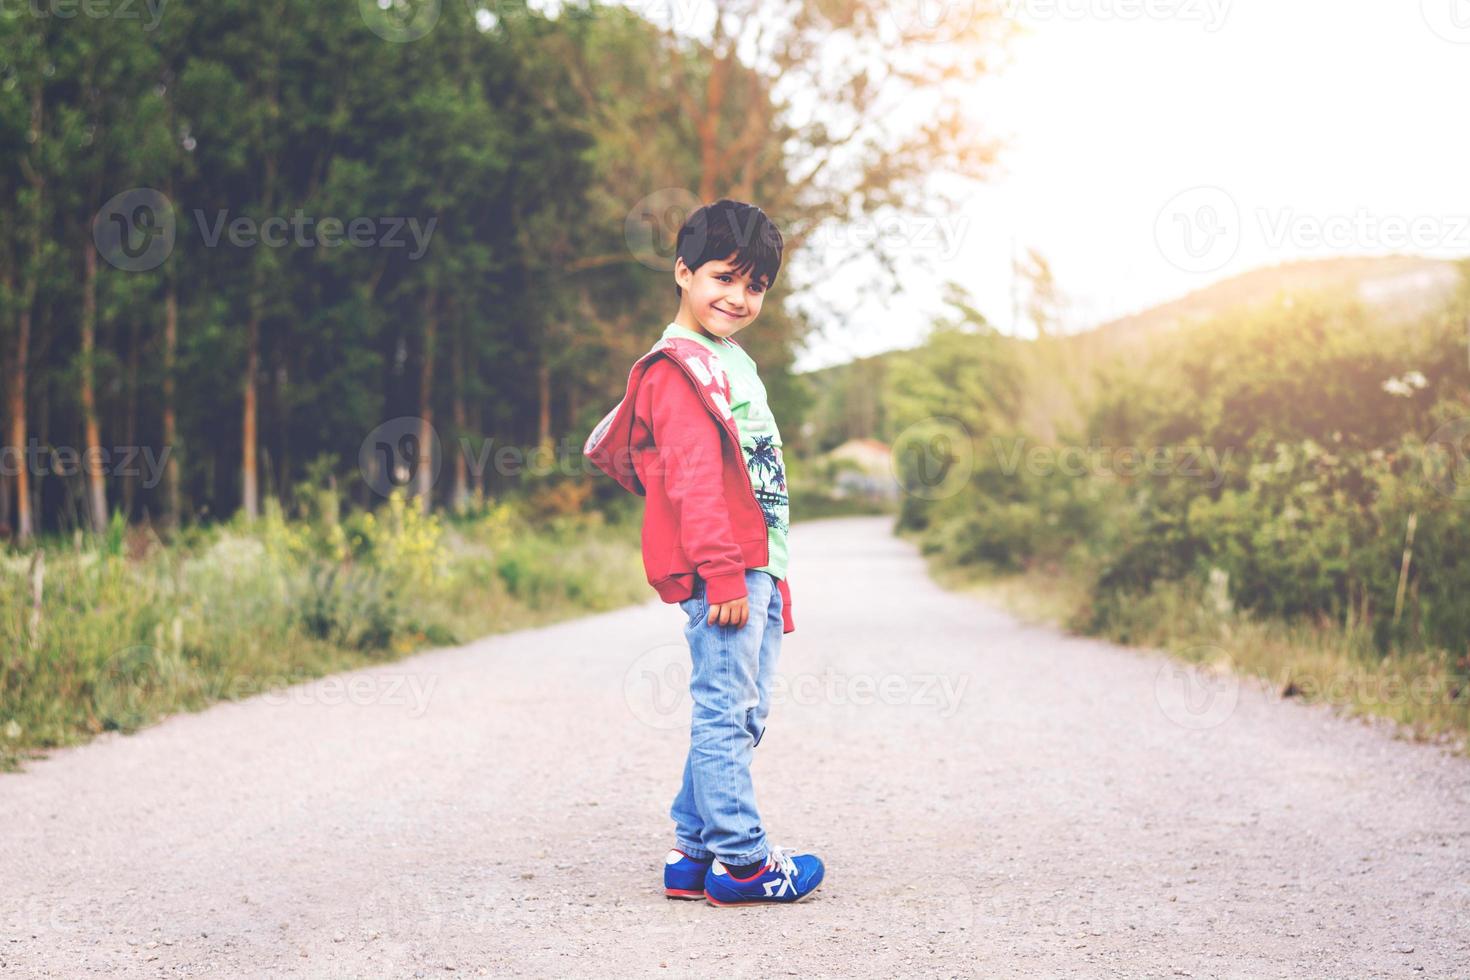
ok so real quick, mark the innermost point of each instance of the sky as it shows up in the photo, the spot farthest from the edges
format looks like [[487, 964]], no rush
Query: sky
[[1155, 146]]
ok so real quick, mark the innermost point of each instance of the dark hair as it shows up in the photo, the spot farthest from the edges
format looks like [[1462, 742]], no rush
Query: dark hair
[[713, 232]]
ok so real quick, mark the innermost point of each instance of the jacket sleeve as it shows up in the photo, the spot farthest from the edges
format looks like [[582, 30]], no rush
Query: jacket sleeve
[[690, 449]]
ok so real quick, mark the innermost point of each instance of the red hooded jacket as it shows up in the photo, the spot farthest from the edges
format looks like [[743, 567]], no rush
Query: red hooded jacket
[[672, 440]]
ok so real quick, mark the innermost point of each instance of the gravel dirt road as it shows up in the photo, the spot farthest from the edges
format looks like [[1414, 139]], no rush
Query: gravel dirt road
[[992, 799]]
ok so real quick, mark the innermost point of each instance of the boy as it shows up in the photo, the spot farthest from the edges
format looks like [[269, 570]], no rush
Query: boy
[[695, 436]]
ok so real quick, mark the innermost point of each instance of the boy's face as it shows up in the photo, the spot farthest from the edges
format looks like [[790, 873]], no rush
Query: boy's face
[[718, 301]]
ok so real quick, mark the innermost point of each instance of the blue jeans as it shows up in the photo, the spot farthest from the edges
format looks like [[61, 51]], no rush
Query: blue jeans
[[730, 684]]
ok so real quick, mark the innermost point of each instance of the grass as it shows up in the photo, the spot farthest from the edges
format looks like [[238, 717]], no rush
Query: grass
[[1422, 695], [131, 630]]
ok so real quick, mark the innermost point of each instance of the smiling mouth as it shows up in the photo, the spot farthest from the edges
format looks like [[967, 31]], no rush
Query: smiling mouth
[[728, 314]]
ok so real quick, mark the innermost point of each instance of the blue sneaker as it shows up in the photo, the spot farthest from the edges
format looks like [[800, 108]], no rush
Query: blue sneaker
[[684, 875], [785, 877]]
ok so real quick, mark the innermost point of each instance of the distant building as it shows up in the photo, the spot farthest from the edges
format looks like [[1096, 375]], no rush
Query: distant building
[[863, 468]]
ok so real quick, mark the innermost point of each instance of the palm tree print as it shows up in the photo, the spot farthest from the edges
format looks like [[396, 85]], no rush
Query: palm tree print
[[769, 480], [763, 458]]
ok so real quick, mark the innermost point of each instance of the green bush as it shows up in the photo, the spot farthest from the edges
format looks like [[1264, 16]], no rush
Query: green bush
[[1318, 422]]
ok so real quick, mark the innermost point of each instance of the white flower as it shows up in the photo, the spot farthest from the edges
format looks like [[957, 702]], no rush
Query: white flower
[[1405, 386]]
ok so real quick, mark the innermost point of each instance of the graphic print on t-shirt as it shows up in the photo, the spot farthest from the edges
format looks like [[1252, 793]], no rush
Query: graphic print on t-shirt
[[768, 477]]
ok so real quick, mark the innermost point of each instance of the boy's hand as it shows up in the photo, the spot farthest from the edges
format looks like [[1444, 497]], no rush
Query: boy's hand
[[733, 613]]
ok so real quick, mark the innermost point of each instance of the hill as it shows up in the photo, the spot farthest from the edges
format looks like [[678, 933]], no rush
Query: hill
[[847, 398], [1404, 286]]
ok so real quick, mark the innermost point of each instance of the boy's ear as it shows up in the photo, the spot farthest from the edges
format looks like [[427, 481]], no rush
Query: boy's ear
[[683, 276]]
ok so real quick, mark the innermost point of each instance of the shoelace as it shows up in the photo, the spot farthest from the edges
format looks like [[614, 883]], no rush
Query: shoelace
[[780, 860]]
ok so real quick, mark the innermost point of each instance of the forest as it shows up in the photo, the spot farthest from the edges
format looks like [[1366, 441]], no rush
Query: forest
[[250, 246]]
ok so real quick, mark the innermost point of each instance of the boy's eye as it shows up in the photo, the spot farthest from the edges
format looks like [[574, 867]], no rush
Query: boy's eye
[[725, 275]]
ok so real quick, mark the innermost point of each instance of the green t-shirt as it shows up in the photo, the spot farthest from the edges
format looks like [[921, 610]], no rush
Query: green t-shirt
[[759, 438]]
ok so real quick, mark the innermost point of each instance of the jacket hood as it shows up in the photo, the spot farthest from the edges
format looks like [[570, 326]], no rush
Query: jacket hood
[[609, 445]]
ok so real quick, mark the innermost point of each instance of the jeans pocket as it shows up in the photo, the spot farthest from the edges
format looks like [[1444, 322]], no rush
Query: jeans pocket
[[756, 727], [695, 607]]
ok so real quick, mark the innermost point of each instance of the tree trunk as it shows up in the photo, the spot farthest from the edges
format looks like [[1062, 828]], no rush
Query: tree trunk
[[42, 425], [6, 461], [170, 417], [92, 463], [16, 387], [130, 479], [707, 127], [249, 487], [479, 477], [425, 475], [461, 424], [280, 381], [171, 489], [20, 367], [543, 399], [249, 478]]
